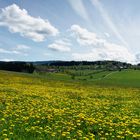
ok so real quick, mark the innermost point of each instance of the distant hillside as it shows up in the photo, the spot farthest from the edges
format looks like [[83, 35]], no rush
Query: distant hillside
[[76, 63], [43, 65], [43, 62]]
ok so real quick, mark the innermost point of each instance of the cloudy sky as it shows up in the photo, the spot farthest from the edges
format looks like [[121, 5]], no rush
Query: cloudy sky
[[33, 30]]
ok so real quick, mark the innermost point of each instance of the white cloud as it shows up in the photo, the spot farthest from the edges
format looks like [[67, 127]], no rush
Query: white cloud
[[46, 54], [79, 8], [3, 51], [8, 52], [108, 20], [60, 45], [101, 48], [107, 52], [7, 60], [19, 21], [22, 47], [84, 37], [15, 52], [19, 50], [107, 35]]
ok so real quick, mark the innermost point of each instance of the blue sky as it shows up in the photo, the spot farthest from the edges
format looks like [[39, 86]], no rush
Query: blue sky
[[70, 30]]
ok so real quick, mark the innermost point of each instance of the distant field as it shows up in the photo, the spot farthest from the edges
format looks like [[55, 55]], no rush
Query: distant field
[[36, 107], [124, 78]]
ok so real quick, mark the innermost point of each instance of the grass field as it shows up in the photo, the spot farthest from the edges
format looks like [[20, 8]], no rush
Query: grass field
[[55, 107], [124, 78]]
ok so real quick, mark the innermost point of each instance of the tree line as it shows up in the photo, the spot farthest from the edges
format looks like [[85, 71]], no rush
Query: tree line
[[17, 66]]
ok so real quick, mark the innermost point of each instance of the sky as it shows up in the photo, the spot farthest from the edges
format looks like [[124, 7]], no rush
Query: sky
[[32, 30]]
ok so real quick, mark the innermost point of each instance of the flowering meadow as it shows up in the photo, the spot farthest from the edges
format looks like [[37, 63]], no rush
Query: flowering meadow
[[34, 108]]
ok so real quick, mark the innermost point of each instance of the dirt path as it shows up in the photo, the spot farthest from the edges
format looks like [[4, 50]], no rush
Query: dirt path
[[106, 76]]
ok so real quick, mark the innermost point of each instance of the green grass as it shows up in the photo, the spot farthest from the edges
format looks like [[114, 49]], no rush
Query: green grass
[[124, 78], [94, 76]]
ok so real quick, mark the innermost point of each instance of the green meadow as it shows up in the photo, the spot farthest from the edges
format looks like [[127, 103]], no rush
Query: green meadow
[[55, 106]]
